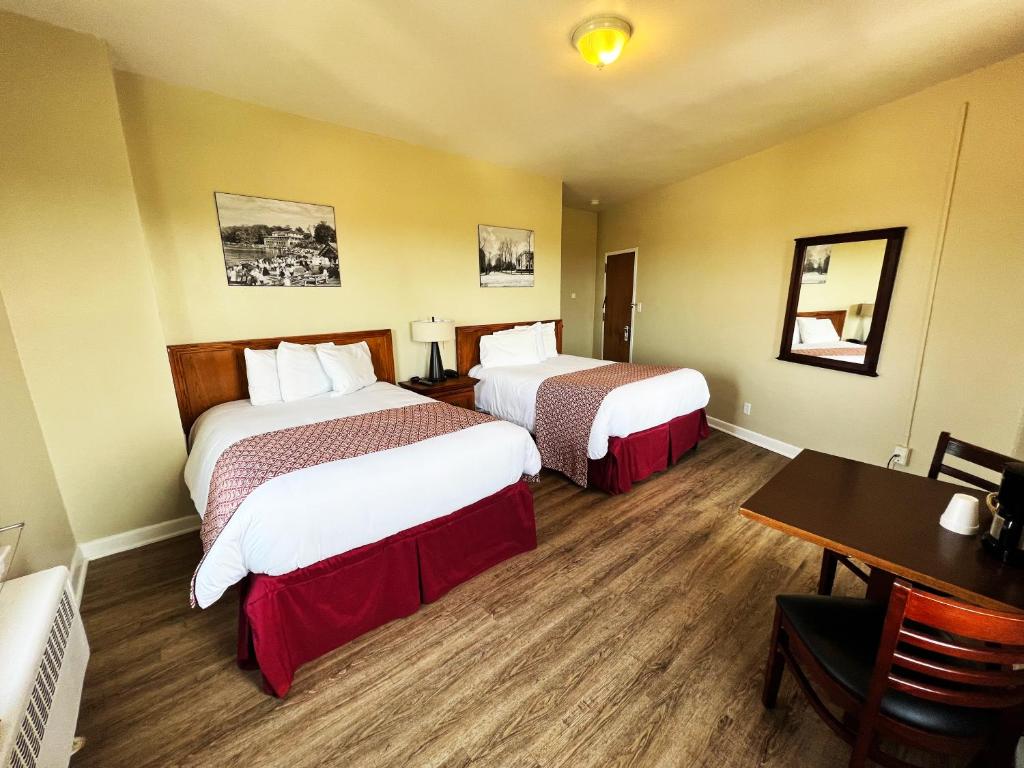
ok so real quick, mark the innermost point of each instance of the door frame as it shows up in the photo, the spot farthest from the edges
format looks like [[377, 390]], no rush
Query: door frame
[[632, 301]]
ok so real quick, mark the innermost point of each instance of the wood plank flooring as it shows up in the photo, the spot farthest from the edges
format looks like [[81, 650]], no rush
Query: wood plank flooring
[[634, 635]]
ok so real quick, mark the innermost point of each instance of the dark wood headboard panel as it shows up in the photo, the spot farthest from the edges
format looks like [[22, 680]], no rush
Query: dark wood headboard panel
[[467, 340], [837, 316], [212, 373]]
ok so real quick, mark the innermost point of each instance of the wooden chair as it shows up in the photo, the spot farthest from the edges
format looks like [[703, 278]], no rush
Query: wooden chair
[[975, 454], [925, 670], [947, 444]]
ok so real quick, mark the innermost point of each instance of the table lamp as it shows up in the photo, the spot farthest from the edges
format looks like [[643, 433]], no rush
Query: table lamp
[[862, 313], [433, 331]]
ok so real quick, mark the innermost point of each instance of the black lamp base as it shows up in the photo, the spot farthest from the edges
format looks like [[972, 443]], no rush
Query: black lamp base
[[436, 371]]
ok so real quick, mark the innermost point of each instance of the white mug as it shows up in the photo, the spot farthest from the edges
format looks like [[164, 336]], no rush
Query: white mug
[[961, 515]]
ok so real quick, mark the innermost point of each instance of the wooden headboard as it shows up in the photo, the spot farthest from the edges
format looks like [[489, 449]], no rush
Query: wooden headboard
[[209, 374], [467, 341], [837, 316]]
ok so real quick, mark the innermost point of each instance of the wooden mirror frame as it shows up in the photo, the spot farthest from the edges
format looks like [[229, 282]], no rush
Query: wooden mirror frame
[[886, 281]]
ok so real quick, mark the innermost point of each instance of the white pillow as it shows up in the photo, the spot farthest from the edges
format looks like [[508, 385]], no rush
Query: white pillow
[[530, 331], [796, 334], [300, 372], [261, 373], [516, 329], [816, 330], [348, 366], [548, 344], [500, 349]]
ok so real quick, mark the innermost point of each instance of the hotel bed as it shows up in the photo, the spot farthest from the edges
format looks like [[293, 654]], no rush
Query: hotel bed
[[640, 427], [327, 551], [819, 333]]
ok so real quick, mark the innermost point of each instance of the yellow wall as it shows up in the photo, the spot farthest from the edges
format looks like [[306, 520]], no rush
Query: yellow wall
[[406, 217], [28, 489], [853, 275], [95, 290], [104, 263], [579, 249], [973, 377], [78, 286], [716, 249]]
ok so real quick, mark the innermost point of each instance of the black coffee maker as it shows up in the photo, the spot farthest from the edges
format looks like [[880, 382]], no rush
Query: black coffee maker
[[1004, 539]]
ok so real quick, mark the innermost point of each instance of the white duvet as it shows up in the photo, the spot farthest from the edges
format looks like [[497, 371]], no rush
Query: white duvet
[[510, 393], [306, 516]]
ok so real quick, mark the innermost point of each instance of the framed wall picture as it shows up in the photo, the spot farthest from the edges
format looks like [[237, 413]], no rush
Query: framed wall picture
[[506, 257], [816, 263], [277, 243]]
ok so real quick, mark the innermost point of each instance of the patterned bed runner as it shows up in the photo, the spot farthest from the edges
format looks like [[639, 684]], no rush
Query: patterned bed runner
[[567, 405], [249, 463], [833, 352]]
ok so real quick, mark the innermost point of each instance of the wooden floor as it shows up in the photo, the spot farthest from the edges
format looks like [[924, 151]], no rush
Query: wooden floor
[[634, 635]]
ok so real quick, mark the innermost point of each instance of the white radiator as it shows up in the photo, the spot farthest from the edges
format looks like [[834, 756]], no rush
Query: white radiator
[[43, 653]]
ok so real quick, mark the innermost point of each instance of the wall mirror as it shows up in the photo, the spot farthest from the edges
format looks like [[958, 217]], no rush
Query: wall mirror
[[839, 294]]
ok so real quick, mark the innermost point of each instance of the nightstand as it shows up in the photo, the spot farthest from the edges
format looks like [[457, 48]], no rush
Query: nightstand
[[453, 391]]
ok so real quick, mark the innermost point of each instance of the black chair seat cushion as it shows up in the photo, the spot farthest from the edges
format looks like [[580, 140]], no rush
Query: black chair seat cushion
[[843, 634]]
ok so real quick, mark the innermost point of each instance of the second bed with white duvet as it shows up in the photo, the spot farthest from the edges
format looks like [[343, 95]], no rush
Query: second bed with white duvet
[[510, 393]]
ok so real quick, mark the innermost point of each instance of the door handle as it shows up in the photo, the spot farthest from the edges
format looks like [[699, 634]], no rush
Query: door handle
[[625, 333]]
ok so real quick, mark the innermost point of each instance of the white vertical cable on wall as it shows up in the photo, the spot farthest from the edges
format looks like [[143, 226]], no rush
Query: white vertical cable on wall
[[940, 245], [1018, 446]]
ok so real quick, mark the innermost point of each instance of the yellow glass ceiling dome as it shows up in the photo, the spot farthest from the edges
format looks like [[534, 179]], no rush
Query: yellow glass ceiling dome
[[600, 40]]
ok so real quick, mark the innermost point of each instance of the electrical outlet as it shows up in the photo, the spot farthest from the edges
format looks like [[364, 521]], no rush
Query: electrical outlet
[[639, 306], [901, 455], [572, 295], [746, 409]]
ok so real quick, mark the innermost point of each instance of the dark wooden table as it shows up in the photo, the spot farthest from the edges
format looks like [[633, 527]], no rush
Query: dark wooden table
[[889, 520]]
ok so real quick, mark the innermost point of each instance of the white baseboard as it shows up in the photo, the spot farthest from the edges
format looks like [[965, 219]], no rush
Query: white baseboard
[[777, 446], [122, 542], [79, 566]]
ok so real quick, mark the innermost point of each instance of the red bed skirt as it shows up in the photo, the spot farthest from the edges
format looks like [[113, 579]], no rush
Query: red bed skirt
[[638, 456], [286, 621]]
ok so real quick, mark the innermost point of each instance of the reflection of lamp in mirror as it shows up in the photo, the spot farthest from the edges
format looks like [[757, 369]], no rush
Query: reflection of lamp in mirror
[[861, 314]]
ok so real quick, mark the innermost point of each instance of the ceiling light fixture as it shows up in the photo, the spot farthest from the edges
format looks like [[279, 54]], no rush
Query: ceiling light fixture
[[601, 39]]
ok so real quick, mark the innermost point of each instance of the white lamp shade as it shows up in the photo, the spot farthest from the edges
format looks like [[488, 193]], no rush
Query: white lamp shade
[[433, 330]]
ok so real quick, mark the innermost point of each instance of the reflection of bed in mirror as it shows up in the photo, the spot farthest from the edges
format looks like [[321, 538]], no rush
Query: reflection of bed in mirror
[[829, 347]]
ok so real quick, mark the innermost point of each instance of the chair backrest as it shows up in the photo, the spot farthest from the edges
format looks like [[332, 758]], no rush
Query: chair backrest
[[941, 649], [974, 454]]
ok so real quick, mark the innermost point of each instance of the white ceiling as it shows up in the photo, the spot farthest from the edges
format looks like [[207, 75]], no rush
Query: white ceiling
[[702, 82]]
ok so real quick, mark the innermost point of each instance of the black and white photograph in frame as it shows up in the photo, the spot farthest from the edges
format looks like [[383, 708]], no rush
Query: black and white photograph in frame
[[816, 259], [506, 257], [277, 243]]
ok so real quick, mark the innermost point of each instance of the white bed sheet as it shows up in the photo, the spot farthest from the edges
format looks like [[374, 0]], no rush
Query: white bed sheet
[[300, 518], [510, 393], [797, 348]]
